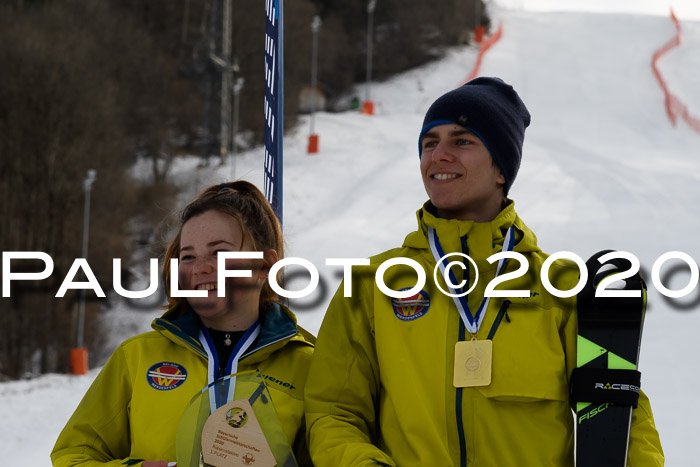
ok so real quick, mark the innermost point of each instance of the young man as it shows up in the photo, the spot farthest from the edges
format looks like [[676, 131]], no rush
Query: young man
[[435, 380]]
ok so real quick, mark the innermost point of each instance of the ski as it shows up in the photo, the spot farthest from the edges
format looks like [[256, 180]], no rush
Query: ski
[[605, 384]]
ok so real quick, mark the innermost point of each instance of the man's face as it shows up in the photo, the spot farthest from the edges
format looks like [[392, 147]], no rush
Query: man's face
[[459, 174]]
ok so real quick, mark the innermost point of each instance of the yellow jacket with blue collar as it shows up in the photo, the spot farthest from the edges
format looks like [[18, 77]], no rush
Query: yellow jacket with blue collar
[[132, 410], [380, 388]]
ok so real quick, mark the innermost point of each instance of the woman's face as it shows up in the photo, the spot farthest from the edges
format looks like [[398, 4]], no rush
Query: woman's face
[[202, 238]]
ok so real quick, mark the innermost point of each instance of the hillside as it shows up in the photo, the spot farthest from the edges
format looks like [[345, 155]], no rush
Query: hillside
[[602, 168]]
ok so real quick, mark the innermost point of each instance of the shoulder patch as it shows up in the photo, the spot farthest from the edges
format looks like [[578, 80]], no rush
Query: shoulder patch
[[165, 376], [408, 309]]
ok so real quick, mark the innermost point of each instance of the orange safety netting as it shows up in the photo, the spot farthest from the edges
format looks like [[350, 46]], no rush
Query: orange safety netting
[[485, 46], [674, 106]]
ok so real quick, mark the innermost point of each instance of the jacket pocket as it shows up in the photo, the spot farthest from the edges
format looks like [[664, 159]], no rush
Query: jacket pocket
[[529, 358]]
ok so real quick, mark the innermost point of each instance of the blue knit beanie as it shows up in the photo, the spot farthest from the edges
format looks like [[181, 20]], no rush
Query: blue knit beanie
[[492, 110]]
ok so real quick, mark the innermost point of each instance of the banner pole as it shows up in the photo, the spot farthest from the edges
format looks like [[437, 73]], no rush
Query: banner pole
[[274, 105]]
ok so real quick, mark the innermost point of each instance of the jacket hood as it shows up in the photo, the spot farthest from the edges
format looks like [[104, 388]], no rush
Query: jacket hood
[[483, 238]]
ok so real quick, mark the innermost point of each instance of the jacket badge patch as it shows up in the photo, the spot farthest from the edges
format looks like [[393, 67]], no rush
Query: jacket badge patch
[[408, 309], [165, 376]]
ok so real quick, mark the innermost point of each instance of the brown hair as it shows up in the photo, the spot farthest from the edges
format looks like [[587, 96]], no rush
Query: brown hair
[[244, 202]]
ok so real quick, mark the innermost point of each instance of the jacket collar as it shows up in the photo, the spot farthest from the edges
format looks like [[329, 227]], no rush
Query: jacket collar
[[278, 326], [483, 238]]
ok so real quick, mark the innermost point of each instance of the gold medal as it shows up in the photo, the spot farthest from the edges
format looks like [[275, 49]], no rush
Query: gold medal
[[473, 363]]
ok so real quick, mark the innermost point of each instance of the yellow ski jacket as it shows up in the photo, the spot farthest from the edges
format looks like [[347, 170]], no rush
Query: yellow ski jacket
[[131, 412], [380, 388]]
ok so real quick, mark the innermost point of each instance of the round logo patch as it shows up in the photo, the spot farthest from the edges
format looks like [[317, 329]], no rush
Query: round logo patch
[[236, 417], [165, 376], [408, 309]]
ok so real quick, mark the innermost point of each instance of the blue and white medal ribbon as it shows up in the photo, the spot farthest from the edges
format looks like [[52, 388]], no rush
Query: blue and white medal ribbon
[[224, 394], [471, 322]]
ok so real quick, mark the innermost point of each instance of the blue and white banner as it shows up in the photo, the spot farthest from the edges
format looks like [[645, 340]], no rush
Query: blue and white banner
[[274, 104]]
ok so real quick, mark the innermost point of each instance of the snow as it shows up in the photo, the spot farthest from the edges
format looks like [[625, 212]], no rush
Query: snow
[[602, 168], [684, 9]]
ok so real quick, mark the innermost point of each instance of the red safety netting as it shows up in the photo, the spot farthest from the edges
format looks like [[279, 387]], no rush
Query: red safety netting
[[485, 45], [674, 106]]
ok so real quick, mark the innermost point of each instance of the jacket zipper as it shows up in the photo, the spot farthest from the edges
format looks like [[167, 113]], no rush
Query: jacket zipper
[[459, 392], [190, 341], [251, 352], [503, 311], [458, 412]]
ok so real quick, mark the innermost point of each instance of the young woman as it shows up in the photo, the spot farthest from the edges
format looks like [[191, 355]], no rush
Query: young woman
[[130, 414]]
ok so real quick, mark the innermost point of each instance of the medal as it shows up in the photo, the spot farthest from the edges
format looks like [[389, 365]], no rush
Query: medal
[[219, 431], [473, 363], [245, 431], [473, 359], [232, 436]]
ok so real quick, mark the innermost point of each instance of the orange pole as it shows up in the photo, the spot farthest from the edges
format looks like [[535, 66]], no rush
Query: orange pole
[[79, 361], [313, 144]]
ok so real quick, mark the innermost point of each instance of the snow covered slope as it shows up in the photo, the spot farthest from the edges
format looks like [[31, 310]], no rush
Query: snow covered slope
[[602, 168]]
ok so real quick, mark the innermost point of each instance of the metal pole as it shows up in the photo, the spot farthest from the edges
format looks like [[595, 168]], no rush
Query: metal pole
[[234, 149], [370, 10], [226, 82], [477, 13], [315, 26], [87, 188]]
